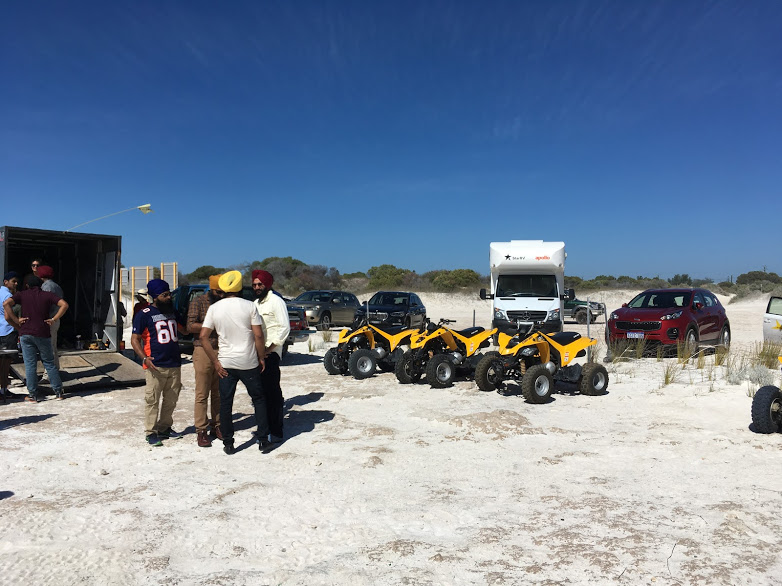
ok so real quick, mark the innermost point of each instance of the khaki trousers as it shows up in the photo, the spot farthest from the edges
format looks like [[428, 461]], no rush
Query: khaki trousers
[[165, 383], [206, 387]]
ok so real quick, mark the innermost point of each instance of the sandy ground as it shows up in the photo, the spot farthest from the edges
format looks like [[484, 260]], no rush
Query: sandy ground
[[382, 483]]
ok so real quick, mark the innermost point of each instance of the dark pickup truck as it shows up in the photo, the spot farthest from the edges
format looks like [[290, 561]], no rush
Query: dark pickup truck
[[577, 309], [184, 295]]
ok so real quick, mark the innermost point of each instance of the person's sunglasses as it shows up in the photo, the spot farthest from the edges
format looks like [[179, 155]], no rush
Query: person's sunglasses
[[35, 264]]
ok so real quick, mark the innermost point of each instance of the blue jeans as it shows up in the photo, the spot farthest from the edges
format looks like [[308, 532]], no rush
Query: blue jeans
[[32, 347], [251, 379]]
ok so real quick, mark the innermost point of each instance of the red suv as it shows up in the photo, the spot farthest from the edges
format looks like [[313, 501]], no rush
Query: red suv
[[669, 316]]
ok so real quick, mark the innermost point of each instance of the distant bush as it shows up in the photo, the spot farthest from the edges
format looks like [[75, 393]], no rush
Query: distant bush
[[357, 275], [681, 280], [449, 280], [387, 276], [292, 276], [758, 277], [202, 273]]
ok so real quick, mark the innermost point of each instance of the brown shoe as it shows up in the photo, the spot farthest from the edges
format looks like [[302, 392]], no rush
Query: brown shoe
[[203, 440], [216, 433]]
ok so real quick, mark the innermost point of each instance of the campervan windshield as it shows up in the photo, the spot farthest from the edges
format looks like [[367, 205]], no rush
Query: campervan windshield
[[527, 286]]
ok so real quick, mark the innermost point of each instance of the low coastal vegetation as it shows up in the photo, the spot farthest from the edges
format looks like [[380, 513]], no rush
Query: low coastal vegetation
[[292, 276]]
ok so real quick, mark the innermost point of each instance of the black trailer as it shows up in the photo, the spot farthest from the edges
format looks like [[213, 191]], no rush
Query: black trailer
[[86, 266]]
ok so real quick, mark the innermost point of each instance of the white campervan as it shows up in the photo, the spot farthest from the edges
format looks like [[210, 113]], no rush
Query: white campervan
[[527, 284]]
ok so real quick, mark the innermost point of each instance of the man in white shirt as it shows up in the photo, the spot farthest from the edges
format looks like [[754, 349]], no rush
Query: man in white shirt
[[240, 357], [277, 327]]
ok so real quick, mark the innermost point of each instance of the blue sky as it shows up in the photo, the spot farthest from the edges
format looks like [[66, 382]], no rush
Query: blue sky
[[646, 135]]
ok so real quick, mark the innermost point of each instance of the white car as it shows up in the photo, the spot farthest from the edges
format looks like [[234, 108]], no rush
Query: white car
[[772, 321]]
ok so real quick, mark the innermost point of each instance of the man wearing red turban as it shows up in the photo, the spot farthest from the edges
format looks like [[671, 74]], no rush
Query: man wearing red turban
[[276, 329]]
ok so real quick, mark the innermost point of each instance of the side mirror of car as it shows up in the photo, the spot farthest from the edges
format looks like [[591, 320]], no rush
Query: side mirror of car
[[336, 300], [569, 294], [698, 305], [624, 304]]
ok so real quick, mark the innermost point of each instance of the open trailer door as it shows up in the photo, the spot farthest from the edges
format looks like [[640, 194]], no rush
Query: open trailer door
[[86, 266]]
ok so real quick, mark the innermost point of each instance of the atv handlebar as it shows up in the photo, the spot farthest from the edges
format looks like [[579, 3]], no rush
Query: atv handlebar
[[526, 330]]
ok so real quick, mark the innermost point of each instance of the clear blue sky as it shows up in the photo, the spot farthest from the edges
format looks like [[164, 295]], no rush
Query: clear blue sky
[[646, 135]]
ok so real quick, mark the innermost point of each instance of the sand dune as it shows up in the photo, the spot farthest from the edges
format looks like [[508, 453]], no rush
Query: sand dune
[[382, 483]]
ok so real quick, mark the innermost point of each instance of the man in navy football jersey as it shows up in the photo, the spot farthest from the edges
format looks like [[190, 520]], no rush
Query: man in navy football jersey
[[155, 341]]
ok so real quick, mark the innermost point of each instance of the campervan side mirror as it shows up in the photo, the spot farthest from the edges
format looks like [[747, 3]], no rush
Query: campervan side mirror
[[569, 294], [483, 295]]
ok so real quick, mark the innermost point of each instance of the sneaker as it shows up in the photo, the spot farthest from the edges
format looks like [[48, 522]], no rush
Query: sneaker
[[203, 440], [29, 399], [228, 447], [170, 434], [154, 440]]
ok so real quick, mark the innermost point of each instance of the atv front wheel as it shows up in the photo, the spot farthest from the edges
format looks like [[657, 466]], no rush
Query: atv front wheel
[[440, 371], [362, 363], [537, 384], [405, 369], [594, 379], [331, 364], [489, 374], [767, 410]]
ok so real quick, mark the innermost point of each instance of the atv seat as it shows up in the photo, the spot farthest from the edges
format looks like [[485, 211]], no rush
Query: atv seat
[[391, 329], [565, 338], [470, 332]]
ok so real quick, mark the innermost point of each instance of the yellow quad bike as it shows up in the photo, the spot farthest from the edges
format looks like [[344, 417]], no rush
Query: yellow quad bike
[[362, 350], [437, 352], [537, 360], [767, 409]]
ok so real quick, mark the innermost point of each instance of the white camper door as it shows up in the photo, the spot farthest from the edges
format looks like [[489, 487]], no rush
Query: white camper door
[[772, 320]]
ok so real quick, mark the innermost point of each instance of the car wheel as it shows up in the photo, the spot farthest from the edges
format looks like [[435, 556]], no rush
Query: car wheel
[[537, 384], [594, 379], [440, 371], [362, 364], [489, 374], [581, 317], [325, 322], [767, 410], [691, 341], [725, 337]]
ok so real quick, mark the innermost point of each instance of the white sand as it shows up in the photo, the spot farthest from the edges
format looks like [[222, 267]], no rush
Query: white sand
[[382, 483]]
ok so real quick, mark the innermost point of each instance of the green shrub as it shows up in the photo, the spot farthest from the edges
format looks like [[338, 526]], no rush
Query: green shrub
[[449, 280], [387, 277]]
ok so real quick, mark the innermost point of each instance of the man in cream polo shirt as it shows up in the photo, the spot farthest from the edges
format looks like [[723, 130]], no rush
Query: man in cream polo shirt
[[240, 357], [277, 327]]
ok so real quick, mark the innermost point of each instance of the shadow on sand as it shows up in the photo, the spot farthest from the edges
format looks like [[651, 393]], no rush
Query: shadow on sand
[[25, 420]]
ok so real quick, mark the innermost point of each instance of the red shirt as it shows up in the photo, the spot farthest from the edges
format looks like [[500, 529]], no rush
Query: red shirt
[[35, 306]]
